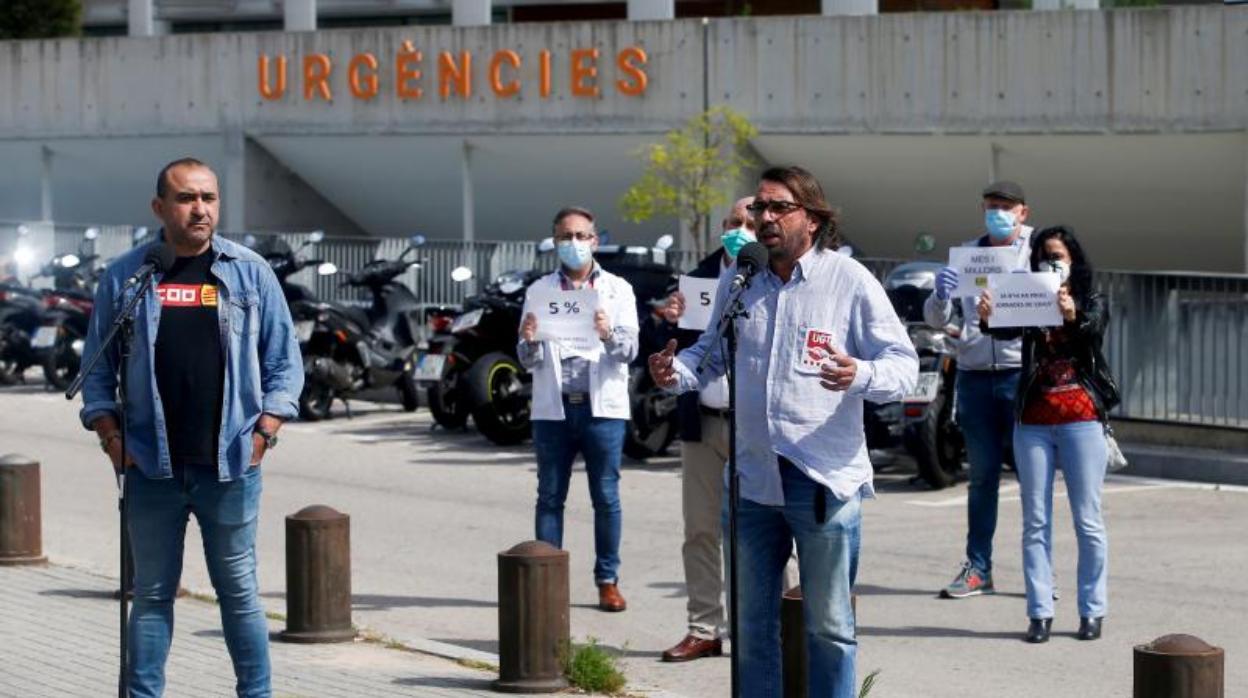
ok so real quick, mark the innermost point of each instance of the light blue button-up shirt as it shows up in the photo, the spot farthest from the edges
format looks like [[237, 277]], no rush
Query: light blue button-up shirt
[[263, 368], [782, 410]]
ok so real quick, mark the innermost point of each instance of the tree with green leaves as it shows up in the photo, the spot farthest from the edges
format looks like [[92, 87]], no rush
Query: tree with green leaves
[[691, 172], [40, 19]]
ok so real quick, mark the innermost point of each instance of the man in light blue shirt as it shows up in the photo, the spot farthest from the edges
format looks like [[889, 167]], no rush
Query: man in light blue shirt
[[819, 337]]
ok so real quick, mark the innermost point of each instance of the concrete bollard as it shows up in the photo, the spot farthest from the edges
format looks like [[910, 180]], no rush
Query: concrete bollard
[[793, 656], [318, 576], [1179, 666], [534, 623], [21, 513]]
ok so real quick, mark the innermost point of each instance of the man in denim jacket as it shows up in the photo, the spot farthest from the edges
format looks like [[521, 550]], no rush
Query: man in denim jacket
[[213, 372]]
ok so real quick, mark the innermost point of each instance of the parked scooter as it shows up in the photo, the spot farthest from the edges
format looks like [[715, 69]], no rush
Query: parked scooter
[[351, 349], [59, 341], [924, 423], [20, 315]]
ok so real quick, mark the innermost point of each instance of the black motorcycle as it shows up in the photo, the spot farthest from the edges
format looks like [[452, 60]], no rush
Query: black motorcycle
[[62, 332], [924, 422], [351, 349]]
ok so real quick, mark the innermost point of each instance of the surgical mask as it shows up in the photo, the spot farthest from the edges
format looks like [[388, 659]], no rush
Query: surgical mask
[[1061, 267], [999, 223], [575, 254], [735, 239]]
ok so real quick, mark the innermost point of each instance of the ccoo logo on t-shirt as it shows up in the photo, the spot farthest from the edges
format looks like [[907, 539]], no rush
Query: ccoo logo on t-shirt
[[187, 295]]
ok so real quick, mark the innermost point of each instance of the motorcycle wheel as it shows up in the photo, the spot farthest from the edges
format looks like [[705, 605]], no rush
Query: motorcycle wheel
[[316, 401], [10, 369], [937, 445], [499, 406], [60, 366], [409, 397], [447, 402], [650, 431]]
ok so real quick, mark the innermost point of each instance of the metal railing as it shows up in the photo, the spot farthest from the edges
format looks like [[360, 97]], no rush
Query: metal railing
[[1176, 342]]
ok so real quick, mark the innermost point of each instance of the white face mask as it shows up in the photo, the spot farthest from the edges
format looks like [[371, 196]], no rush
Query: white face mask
[[1061, 267]]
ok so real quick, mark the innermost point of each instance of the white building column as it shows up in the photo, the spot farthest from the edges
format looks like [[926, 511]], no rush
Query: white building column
[[234, 181], [142, 19], [470, 13], [850, 7], [641, 10], [300, 15], [1246, 202], [45, 184], [469, 196], [1065, 4]]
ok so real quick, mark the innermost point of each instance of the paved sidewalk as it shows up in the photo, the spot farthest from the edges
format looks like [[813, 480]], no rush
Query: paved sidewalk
[[58, 626]]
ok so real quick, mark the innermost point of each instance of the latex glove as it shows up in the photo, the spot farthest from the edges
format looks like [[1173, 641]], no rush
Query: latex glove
[[946, 281]]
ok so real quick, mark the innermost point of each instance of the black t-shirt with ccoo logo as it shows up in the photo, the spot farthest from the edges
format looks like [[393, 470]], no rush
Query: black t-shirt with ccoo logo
[[190, 367]]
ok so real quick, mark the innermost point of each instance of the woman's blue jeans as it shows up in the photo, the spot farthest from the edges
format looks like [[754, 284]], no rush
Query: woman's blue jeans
[[157, 512], [601, 441], [1079, 450], [827, 552]]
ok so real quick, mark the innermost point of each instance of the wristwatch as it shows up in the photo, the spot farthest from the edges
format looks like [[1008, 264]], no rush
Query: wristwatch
[[270, 440]]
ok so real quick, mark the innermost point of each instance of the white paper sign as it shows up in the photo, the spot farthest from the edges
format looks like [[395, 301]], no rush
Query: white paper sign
[[566, 318], [699, 300], [1025, 300], [975, 264]]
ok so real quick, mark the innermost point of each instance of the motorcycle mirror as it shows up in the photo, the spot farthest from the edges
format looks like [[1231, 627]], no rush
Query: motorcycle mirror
[[316, 236], [664, 243], [417, 240], [546, 245], [924, 243], [69, 260], [91, 233], [139, 233], [327, 269], [461, 274], [249, 240]]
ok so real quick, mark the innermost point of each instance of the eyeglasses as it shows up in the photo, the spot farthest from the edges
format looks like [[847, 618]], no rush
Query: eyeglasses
[[780, 208], [579, 236]]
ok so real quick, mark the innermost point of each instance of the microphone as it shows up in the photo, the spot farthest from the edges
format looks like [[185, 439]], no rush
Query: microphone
[[750, 260], [158, 258]]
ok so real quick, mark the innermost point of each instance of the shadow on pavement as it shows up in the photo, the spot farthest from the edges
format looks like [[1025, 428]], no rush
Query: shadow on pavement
[[102, 594], [487, 646], [383, 602], [462, 683], [929, 631]]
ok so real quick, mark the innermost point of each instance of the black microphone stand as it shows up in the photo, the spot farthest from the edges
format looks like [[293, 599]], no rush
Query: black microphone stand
[[123, 330], [727, 333]]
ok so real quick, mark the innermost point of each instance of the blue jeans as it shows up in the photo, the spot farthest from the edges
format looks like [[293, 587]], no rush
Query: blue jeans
[[601, 441], [986, 417], [1079, 450], [827, 553], [226, 512]]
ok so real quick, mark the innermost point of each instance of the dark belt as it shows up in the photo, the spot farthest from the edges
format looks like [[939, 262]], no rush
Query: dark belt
[[712, 411], [576, 398]]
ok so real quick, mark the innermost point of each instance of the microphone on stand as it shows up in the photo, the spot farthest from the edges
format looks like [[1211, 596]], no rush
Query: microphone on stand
[[158, 259], [750, 260]]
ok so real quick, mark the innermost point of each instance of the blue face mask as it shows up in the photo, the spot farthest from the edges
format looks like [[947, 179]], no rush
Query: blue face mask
[[735, 239], [575, 254], [1000, 224]]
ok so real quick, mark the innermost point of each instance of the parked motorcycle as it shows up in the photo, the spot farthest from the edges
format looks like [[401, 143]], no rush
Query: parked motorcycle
[[924, 422], [20, 314], [350, 349]]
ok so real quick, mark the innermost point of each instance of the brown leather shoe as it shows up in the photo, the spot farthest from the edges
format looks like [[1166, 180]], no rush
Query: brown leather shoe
[[610, 599], [694, 647]]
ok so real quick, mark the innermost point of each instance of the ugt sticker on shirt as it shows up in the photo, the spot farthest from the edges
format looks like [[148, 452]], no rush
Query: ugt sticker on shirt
[[810, 358]]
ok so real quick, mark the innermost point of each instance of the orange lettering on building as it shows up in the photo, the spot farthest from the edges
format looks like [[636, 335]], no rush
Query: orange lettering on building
[[544, 61], [363, 86], [584, 72], [404, 73], [496, 69], [267, 89], [629, 63], [451, 74], [316, 69]]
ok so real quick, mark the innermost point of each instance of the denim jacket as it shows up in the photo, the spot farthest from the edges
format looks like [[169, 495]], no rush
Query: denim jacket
[[263, 368]]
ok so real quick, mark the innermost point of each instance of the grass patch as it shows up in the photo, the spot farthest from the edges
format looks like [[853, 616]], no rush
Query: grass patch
[[868, 684], [593, 669], [477, 664]]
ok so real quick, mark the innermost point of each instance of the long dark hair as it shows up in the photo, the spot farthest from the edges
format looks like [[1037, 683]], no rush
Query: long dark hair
[[1080, 267], [807, 192]]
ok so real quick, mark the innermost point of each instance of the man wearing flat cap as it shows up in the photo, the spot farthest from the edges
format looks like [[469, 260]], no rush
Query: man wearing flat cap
[[988, 372]]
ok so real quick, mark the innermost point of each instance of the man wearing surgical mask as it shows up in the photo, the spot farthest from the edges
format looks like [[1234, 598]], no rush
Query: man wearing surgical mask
[[581, 405], [987, 382]]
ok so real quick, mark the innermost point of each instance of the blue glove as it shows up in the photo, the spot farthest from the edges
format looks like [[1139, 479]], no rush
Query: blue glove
[[946, 281]]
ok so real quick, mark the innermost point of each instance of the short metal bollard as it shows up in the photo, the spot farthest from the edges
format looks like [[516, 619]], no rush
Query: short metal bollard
[[793, 642], [318, 576], [1179, 666], [21, 512], [534, 624]]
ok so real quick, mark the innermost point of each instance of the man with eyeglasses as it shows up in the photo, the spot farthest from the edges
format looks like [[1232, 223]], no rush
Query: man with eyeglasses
[[580, 405], [819, 337], [988, 373]]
